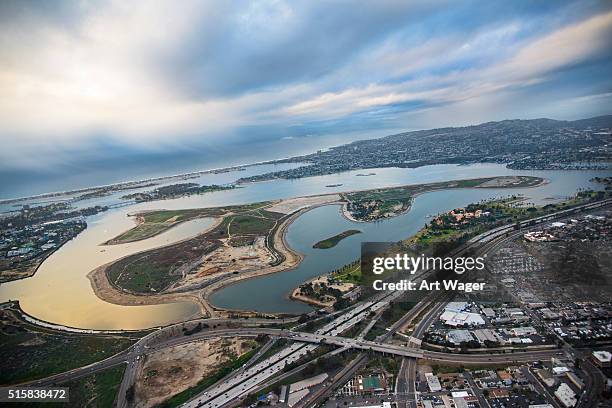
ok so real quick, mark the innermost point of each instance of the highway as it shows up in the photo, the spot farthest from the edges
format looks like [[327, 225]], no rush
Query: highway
[[483, 244], [239, 384], [235, 388]]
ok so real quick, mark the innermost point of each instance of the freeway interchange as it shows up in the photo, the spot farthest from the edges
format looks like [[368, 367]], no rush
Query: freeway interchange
[[231, 390]]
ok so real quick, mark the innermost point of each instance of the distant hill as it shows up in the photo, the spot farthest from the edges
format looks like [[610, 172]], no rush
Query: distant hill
[[598, 121], [521, 144]]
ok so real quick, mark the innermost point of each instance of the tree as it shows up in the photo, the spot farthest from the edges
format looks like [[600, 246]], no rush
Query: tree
[[129, 394]]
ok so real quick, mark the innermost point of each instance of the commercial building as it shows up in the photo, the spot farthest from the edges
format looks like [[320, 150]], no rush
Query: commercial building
[[459, 336], [433, 382], [566, 395], [523, 331], [602, 358], [284, 394], [454, 319]]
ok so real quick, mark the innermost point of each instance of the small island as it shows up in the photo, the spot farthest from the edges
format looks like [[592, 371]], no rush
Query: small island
[[333, 241]]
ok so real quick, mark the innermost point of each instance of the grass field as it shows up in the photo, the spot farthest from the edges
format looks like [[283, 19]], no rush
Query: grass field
[[152, 223], [251, 224], [156, 270], [27, 354], [333, 241], [97, 390], [349, 273]]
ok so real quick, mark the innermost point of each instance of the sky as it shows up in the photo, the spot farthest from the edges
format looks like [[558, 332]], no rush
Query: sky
[[84, 82]]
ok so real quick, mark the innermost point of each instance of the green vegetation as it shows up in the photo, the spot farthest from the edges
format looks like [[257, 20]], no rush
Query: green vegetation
[[349, 273], [158, 269], [155, 222], [333, 241], [321, 291], [257, 224], [206, 382], [29, 354], [457, 226], [390, 365], [97, 390], [175, 191], [388, 202]]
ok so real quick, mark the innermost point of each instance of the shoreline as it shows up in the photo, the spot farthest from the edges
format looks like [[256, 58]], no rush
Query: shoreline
[[306, 299], [127, 183], [106, 291], [293, 259], [32, 270], [347, 214]]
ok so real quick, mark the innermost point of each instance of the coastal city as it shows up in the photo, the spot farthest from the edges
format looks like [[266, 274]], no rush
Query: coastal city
[[534, 346]]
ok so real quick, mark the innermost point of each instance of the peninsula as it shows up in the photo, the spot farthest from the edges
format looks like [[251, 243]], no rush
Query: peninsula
[[245, 241]]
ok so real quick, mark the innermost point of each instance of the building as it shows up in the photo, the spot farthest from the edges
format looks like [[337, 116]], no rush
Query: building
[[498, 393], [523, 331], [459, 336], [575, 380], [560, 370], [383, 405], [455, 319], [483, 335], [488, 312], [284, 394], [296, 396], [566, 395], [456, 307], [271, 398], [433, 382], [427, 404], [602, 358], [460, 402]]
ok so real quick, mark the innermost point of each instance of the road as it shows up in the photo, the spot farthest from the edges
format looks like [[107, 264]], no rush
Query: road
[[239, 385], [233, 389]]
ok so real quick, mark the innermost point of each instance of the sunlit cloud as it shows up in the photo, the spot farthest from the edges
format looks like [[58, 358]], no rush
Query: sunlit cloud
[[156, 74]]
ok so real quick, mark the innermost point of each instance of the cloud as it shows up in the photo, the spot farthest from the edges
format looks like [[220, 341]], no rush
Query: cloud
[[151, 75], [531, 63]]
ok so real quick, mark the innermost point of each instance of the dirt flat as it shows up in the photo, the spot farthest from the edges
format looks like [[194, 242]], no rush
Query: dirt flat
[[298, 203], [170, 371]]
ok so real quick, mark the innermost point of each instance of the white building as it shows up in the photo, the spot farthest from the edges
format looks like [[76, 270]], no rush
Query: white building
[[456, 306], [459, 336], [523, 331], [433, 382], [566, 395], [456, 319], [602, 358], [560, 370]]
